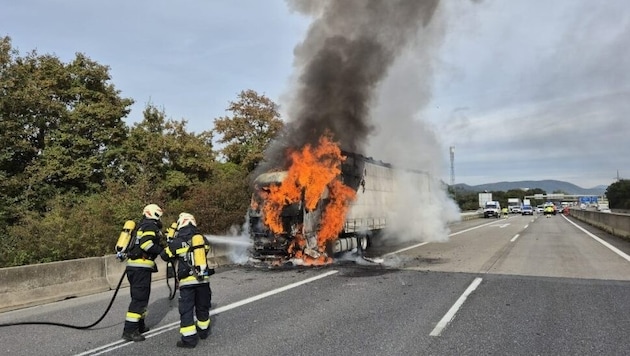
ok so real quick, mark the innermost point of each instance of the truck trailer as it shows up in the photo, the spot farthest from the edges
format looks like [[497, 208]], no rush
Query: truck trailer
[[484, 198], [302, 233]]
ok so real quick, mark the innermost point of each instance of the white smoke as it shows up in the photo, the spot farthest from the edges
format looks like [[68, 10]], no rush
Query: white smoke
[[406, 140]]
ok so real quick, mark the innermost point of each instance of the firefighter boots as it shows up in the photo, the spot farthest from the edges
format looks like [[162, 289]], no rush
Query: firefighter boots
[[133, 336], [142, 327], [185, 345]]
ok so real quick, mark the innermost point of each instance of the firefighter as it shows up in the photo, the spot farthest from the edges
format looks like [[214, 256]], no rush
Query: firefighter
[[140, 265], [189, 249], [505, 212]]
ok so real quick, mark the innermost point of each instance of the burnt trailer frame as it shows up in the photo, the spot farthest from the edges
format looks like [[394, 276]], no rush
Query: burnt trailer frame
[[375, 187]]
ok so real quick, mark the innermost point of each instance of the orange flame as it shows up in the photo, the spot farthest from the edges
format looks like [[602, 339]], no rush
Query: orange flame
[[312, 171]]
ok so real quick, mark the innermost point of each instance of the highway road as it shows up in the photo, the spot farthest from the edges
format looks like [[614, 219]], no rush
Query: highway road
[[518, 286]]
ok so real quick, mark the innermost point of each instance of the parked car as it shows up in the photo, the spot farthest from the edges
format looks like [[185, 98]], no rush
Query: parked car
[[527, 210]]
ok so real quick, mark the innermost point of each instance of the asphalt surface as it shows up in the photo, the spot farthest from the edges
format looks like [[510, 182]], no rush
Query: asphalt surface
[[518, 286]]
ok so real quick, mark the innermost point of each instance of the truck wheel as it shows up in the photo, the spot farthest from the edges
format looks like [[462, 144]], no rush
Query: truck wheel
[[364, 242]]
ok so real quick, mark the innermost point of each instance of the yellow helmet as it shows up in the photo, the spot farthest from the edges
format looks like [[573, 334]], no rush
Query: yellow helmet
[[152, 211], [185, 219]]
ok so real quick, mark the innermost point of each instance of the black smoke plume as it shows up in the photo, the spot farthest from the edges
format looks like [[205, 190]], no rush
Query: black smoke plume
[[347, 52]]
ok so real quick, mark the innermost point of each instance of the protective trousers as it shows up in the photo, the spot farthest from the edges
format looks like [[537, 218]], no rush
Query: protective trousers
[[140, 286], [194, 301]]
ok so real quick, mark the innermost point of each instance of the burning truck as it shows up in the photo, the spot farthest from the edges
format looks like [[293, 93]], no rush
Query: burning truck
[[325, 203]]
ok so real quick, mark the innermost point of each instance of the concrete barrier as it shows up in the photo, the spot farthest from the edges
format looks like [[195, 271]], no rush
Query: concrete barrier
[[614, 223], [47, 282], [42, 283], [471, 215]]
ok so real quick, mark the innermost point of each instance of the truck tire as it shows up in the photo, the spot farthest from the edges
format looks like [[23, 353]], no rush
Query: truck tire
[[363, 242]]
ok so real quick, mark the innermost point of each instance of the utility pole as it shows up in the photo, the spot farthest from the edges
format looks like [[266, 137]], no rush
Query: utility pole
[[452, 152]]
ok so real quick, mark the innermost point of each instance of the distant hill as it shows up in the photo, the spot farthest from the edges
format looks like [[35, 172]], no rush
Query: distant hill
[[548, 186]]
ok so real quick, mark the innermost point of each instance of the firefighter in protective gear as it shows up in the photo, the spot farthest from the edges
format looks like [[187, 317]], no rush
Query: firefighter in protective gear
[[189, 249], [140, 265]]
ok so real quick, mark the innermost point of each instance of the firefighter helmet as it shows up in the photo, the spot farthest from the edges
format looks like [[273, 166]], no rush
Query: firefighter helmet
[[152, 211], [185, 219]]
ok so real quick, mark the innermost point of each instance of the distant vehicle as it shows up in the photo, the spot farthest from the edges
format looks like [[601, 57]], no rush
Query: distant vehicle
[[514, 205], [605, 210], [527, 210], [583, 206], [540, 209], [492, 208], [549, 209]]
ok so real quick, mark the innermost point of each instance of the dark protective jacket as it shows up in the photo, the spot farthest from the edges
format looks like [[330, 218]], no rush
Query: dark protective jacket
[[178, 249], [147, 245]]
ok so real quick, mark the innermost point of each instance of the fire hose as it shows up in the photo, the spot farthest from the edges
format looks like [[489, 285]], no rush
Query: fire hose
[[170, 266], [171, 295]]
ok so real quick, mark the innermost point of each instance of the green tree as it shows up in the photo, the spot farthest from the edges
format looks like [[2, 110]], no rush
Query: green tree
[[255, 121], [61, 127], [220, 205], [618, 194], [190, 157], [162, 155]]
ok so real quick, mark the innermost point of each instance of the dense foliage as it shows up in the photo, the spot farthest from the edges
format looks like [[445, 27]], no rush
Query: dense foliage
[[72, 171], [618, 195]]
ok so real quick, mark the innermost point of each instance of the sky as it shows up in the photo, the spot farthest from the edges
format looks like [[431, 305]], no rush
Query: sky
[[521, 89]]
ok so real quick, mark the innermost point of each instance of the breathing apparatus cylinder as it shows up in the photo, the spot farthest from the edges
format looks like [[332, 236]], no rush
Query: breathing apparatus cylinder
[[124, 240], [170, 231], [199, 261]]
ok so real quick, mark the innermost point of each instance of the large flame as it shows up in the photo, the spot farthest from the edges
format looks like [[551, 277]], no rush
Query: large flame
[[312, 171]]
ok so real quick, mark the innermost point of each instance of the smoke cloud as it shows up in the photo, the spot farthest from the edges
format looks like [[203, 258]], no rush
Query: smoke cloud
[[363, 73], [348, 50]]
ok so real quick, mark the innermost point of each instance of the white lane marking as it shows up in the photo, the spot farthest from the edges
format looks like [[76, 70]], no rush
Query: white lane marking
[[405, 249], [502, 226], [525, 227], [172, 326], [611, 247], [514, 238], [472, 228], [448, 317], [426, 242]]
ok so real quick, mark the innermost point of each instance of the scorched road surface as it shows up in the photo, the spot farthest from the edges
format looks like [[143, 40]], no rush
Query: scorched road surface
[[517, 286]]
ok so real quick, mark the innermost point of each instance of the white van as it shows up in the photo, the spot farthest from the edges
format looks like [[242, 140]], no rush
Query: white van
[[492, 208]]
